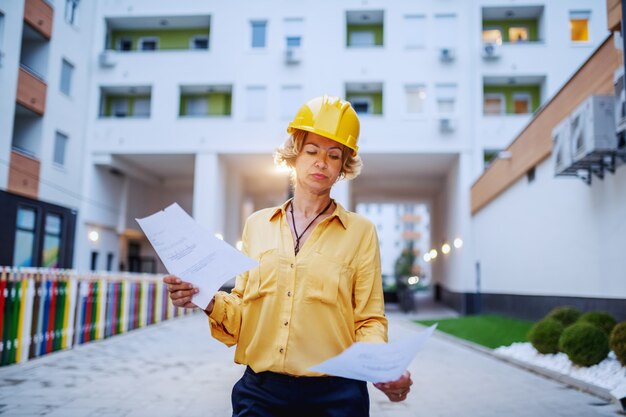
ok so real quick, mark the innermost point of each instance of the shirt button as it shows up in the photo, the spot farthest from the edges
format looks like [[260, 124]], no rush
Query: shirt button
[[286, 323], [281, 350], [291, 266], [289, 294]]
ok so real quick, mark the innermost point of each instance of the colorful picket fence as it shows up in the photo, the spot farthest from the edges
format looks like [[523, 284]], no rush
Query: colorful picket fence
[[44, 310]]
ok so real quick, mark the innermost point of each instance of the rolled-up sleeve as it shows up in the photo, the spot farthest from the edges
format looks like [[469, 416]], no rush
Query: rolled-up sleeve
[[369, 307], [225, 319]]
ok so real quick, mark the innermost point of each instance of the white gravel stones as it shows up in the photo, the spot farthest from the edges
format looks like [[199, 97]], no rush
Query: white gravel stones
[[607, 374]]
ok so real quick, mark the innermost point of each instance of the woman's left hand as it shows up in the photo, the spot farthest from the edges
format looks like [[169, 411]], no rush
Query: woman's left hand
[[397, 390]]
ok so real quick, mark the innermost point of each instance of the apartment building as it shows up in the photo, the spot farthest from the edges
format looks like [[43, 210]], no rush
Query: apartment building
[[400, 226], [185, 101], [565, 179], [44, 74]]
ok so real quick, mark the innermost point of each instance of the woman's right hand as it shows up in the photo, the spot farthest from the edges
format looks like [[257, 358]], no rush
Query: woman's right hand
[[180, 291]]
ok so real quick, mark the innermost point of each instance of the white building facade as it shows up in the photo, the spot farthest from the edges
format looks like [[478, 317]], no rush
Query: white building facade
[[185, 102]]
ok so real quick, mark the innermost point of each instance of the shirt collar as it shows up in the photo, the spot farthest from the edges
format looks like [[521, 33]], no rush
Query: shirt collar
[[340, 213]]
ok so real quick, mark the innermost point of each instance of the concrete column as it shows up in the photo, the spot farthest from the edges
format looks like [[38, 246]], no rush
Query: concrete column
[[341, 192], [208, 192], [123, 206], [234, 201]]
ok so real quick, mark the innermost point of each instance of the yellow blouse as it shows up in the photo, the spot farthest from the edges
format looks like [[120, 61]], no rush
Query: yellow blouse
[[293, 312]]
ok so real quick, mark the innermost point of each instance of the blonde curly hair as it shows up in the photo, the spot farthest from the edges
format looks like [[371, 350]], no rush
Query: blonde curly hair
[[286, 156]]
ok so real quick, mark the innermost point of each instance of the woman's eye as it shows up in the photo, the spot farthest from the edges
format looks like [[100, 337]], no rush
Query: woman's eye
[[311, 152], [334, 157]]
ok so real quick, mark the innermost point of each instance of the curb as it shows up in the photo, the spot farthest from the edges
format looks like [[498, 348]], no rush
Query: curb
[[594, 390]]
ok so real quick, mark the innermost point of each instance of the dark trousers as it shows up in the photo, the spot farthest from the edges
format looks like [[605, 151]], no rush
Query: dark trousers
[[268, 394]]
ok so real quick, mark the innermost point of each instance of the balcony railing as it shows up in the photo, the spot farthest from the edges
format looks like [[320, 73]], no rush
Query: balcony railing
[[24, 174], [44, 310], [31, 90], [38, 15]]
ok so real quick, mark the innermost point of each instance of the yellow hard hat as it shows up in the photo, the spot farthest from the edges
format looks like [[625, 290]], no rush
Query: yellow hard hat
[[330, 117]]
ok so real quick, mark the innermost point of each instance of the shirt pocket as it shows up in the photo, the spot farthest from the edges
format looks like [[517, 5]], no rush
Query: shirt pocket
[[262, 280], [328, 280]]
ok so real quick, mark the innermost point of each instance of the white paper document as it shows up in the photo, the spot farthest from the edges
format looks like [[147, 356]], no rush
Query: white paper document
[[190, 252], [376, 362]]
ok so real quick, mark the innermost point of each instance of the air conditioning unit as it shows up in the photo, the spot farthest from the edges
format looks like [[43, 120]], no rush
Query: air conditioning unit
[[446, 125], [620, 100], [561, 147], [106, 59], [447, 54], [491, 50], [593, 127], [293, 55]]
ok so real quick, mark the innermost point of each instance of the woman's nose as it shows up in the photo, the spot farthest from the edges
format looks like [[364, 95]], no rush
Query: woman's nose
[[320, 161]]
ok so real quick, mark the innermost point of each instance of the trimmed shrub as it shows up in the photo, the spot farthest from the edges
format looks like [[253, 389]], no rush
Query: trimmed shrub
[[544, 335], [601, 319], [566, 315], [617, 342], [584, 344]]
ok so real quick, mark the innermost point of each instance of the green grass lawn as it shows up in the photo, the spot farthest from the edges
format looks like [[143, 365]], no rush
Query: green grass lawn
[[488, 330]]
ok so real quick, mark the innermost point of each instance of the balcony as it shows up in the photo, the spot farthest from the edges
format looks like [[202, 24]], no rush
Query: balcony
[[366, 98], [38, 14], [31, 90], [24, 174], [364, 29], [512, 25], [411, 235], [411, 218], [158, 33], [206, 101], [512, 95], [132, 102]]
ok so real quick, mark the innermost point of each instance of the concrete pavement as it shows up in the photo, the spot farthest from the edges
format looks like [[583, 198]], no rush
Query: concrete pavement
[[176, 369]]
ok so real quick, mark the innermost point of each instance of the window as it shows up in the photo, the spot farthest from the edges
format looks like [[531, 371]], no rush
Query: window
[[94, 260], [362, 105], [362, 38], [124, 44], [120, 107], [518, 34], [492, 35], [52, 241], [256, 102], [200, 42], [71, 11], [141, 107], [446, 30], [493, 104], [293, 41], [489, 156], [67, 70], [197, 106], [60, 144], [24, 250], [290, 100], [415, 99], [110, 257], [1, 36], [259, 29], [446, 97], [293, 28], [521, 103], [579, 25], [415, 31], [148, 44]]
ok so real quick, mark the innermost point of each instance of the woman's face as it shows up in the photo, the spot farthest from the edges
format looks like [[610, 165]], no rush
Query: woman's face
[[318, 164]]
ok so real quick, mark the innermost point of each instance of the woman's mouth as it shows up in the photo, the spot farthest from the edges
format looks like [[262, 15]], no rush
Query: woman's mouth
[[319, 176]]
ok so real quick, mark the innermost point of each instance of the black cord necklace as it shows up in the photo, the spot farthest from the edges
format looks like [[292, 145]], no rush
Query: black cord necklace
[[296, 247]]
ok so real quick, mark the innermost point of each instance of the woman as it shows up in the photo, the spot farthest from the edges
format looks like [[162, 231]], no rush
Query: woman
[[317, 288]]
